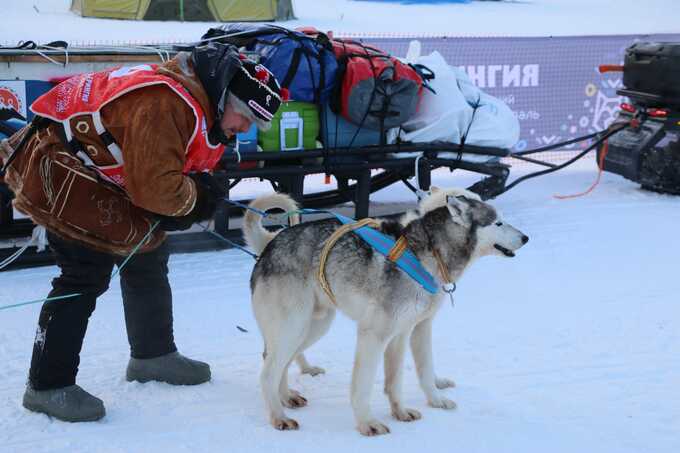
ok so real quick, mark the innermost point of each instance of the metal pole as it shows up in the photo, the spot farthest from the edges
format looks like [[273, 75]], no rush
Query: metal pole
[[366, 151], [407, 163]]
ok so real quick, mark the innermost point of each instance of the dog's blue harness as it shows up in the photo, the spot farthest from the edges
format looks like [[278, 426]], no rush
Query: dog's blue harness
[[384, 244], [407, 261]]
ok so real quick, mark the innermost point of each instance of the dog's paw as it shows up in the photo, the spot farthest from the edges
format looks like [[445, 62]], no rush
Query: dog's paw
[[285, 424], [443, 383], [373, 428], [442, 403], [313, 370], [406, 415], [293, 400]]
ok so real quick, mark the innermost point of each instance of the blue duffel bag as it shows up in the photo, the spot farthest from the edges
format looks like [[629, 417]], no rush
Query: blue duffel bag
[[304, 64]]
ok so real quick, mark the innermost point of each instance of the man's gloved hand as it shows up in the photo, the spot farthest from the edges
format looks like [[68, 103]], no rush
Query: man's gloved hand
[[209, 193]]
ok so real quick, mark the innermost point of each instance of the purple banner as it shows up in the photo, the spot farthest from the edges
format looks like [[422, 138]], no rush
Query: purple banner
[[552, 84]]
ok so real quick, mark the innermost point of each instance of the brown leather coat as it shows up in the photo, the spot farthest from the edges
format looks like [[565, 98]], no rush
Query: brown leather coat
[[152, 125]]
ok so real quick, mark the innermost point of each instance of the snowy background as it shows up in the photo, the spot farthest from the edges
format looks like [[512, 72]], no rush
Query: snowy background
[[572, 346], [49, 20]]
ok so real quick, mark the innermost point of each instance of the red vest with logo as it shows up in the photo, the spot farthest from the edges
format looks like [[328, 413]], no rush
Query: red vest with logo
[[88, 93]]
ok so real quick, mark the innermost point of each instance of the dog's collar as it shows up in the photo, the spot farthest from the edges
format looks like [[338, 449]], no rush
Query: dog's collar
[[443, 268], [401, 246]]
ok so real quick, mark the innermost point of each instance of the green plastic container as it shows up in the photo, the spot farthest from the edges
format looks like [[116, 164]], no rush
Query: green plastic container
[[294, 127]]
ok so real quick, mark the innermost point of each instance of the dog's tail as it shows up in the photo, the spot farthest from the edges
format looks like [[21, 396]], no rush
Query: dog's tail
[[256, 236]]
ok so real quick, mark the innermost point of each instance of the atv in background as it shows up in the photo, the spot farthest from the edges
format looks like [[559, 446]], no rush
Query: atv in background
[[648, 152]]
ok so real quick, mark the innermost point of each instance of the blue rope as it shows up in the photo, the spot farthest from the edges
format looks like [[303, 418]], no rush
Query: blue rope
[[37, 301], [217, 235], [232, 243], [263, 214], [245, 206], [70, 296], [287, 214]]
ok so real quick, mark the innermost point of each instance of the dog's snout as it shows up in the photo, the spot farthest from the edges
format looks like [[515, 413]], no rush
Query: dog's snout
[[525, 239]]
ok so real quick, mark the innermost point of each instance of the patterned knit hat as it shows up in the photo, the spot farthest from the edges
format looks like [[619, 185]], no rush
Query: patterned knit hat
[[227, 74], [259, 90]]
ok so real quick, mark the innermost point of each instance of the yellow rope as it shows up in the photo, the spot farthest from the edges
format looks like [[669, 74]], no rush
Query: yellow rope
[[330, 242], [395, 253], [443, 270]]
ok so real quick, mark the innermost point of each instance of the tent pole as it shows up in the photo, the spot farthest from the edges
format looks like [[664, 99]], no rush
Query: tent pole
[[181, 10]]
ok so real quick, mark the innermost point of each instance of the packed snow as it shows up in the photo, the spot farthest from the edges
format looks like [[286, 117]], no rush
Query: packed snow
[[572, 346], [48, 20]]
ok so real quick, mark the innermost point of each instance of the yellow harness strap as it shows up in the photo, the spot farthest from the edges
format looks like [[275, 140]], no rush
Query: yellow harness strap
[[398, 249], [330, 242]]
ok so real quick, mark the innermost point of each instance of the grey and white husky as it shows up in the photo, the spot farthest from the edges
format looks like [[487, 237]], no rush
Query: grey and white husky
[[292, 310]]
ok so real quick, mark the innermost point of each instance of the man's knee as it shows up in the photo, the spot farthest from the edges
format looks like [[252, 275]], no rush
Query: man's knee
[[83, 270], [91, 279], [147, 268]]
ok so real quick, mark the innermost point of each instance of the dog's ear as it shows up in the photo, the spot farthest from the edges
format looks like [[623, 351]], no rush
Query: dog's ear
[[455, 204], [452, 202], [434, 189], [479, 212]]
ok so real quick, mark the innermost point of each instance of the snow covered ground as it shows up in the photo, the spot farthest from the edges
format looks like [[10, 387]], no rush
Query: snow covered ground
[[49, 20], [572, 346]]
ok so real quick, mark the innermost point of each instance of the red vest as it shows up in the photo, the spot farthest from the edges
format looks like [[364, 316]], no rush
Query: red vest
[[88, 93]]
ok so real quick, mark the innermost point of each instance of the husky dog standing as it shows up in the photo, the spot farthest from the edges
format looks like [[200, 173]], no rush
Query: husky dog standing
[[449, 230]]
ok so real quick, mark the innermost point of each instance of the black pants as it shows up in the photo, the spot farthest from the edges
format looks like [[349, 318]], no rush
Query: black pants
[[147, 301]]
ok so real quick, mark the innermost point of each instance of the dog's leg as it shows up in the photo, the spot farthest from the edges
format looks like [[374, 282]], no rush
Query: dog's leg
[[394, 372], [444, 383], [283, 335], [421, 347], [279, 354], [290, 398], [269, 379], [369, 349], [306, 368], [283, 312], [321, 321]]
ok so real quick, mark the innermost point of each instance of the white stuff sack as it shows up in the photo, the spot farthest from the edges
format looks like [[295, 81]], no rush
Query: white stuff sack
[[449, 113]]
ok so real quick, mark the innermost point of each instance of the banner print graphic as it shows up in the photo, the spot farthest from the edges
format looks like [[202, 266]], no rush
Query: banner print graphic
[[552, 84], [13, 95]]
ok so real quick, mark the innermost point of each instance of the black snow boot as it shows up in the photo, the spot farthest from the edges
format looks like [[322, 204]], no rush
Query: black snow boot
[[172, 368], [70, 404]]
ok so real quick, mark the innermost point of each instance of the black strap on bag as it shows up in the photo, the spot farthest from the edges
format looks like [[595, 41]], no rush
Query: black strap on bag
[[6, 114], [38, 123], [425, 73], [293, 68], [249, 37], [322, 41], [32, 45]]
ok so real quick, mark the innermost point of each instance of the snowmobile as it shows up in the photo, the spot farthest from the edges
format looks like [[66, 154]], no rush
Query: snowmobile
[[648, 152]]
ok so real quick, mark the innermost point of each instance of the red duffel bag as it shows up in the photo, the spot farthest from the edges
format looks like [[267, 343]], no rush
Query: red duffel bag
[[376, 90]]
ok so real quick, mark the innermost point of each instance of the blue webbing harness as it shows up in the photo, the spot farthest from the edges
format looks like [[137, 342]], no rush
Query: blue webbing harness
[[383, 244], [407, 262]]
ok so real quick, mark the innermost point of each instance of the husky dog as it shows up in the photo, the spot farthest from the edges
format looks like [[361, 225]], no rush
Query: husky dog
[[447, 232]]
